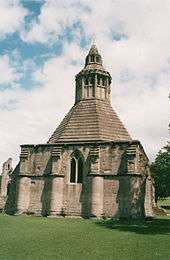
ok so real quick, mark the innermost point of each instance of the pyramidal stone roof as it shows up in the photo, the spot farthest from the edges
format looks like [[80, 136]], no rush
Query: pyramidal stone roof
[[92, 118]]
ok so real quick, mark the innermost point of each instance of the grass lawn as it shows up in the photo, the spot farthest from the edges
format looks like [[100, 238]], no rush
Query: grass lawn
[[79, 239], [165, 204]]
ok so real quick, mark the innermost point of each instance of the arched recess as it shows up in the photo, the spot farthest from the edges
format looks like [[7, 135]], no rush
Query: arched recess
[[76, 167]]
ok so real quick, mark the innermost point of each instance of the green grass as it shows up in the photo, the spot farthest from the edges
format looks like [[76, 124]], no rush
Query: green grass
[[165, 204], [49, 238]]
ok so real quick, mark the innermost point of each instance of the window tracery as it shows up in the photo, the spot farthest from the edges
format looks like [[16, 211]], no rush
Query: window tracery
[[76, 168]]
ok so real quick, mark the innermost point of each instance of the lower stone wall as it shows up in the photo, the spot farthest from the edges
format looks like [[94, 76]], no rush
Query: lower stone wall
[[42, 185], [39, 196], [110, 203], [73, 199], [122, 196], [131, 196], [34, 195]]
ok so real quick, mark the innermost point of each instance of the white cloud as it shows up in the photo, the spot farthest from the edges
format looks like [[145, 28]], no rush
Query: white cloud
[[145, 25], [55, 16], [145, 111], [11, 17], [32, 116], [8, 72]]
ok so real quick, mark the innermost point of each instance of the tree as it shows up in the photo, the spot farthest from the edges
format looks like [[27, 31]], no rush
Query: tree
[[160, 170]]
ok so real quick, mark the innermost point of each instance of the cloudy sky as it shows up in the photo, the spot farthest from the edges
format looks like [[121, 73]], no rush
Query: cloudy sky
[[43, 45]]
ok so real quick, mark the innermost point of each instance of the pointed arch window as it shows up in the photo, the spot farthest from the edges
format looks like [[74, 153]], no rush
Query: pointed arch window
[[91, 80], [98, 80], [76, 169], [86, 81], [73, 171], [92, 58]]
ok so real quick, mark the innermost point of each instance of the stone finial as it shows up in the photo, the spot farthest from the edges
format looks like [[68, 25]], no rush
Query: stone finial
[[93, 49], [93, 57]]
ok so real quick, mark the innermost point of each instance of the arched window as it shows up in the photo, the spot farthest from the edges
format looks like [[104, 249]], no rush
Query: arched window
[[76, 169], [98, 80], [92, 58], [103, 81], [86, 81], [73, 171], [91, 80]]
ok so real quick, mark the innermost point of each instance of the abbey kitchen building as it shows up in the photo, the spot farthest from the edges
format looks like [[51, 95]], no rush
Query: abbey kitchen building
[[90, 166]]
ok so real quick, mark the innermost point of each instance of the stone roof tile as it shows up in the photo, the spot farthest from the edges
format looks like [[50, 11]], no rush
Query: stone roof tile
[[90, 120]]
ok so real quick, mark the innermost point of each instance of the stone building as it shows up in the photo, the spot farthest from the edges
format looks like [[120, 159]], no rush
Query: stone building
[[5, 181], [90, 166]]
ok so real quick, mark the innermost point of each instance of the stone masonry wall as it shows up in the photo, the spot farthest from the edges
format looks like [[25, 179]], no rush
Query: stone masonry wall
[[76, 196], [113, 181], [111, 187]]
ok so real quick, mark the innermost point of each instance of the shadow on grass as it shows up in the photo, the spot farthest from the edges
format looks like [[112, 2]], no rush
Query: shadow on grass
[[165, 207], [145, 227]]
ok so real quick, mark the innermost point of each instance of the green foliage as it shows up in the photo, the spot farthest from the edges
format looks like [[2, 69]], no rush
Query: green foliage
[[161, 173], [36, 238]]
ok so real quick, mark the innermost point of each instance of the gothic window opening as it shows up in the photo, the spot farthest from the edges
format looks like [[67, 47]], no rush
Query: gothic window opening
[[76, 171], [98, 80], [92, 58], [86, 81], [73, 171], [91, 80]]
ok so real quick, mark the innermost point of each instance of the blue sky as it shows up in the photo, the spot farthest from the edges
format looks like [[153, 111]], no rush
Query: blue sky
[[39, 51], [43, 45]]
